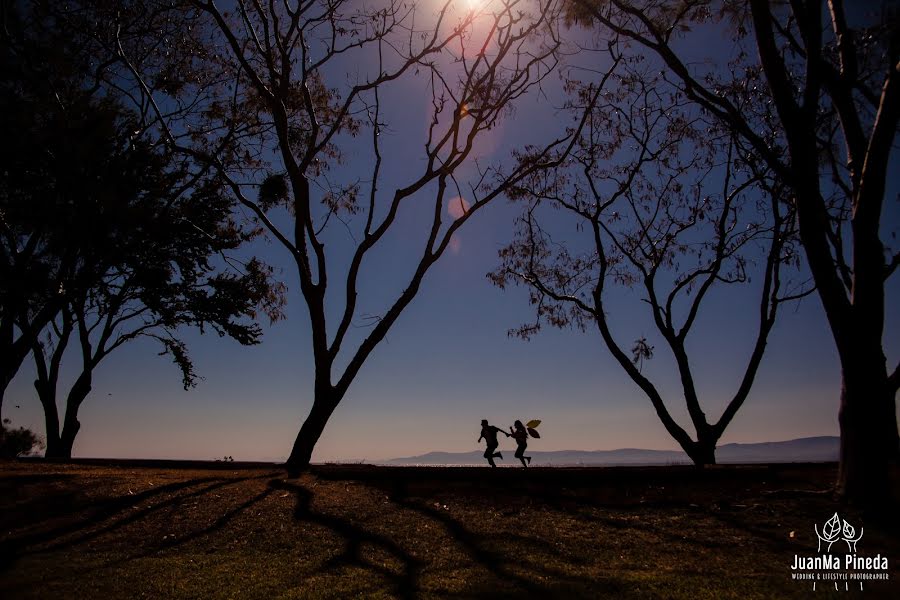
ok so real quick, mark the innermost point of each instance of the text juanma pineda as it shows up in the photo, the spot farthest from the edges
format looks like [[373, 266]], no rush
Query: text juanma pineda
[[833, 561]]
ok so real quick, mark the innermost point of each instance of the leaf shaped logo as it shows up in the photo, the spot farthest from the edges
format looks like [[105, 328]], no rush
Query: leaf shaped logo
[[849, 532], [831, 530]]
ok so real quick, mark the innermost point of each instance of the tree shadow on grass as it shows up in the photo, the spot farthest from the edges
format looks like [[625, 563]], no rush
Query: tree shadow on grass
[[11, 482], [607, 512], [40, 492], [774, 528], [107, 516], [517, 564], [148, 548], [404, 583], [529, 553], [621, 519], [217, 525]]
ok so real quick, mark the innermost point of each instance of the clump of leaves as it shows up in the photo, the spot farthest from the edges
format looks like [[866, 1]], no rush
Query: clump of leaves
[[641, 351], [273, 190], [18, 441]]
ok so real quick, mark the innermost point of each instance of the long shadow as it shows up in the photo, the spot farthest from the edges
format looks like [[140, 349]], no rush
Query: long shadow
[[147, 511], [511, 486], [520, 490], [719, 509], [774, 535], [476, 547], [101, 511], [581, 506], [13, 548], [216, 525], [14, 481], [221, 521], [17, 491], [583, 510], [173, 542], [405, 583]]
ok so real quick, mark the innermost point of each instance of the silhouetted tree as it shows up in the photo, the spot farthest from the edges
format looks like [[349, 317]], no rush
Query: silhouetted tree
[[35, 256], [132, 240], [267, 97], [162, 243], [663, 202], [832, 73]]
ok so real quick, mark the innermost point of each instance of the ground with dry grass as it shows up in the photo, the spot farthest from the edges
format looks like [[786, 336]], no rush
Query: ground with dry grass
[[154, 530]]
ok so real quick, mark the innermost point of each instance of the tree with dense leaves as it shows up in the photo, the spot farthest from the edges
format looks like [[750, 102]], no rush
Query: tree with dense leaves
[[831, 70], [35, 258], [132, 241], [653, 198], [155, 250], [274, 96]]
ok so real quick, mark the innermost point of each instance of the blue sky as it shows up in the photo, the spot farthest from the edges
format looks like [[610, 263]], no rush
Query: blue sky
[[448, 362]]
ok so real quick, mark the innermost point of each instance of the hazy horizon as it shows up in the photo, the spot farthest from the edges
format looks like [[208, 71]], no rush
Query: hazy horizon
[[502, 448]]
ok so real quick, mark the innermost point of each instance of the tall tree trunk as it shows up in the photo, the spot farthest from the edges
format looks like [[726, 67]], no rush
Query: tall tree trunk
[[13, 351], [59, 445], [55, 447], [67, 439], [324, 403], [702, 453], [868, 423], [47, 396], [869, 439]]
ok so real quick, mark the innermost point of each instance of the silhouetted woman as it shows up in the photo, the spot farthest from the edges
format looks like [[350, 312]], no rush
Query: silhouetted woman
[[521, 436]]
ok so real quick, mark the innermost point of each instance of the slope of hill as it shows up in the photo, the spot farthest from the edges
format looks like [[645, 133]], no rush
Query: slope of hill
[[812, 449]]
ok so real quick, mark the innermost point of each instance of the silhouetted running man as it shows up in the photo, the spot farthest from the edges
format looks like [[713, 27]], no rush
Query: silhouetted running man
[[489, 434], [521, 436]]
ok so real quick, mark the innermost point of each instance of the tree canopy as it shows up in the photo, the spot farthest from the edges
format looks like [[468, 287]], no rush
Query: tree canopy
[[830, 76], [122, 237], [658, 199]]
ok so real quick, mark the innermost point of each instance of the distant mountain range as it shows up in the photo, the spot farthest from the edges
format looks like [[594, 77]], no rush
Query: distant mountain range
[[811, 449]]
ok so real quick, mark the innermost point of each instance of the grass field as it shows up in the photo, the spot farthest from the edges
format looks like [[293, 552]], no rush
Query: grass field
[[219, 530]]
